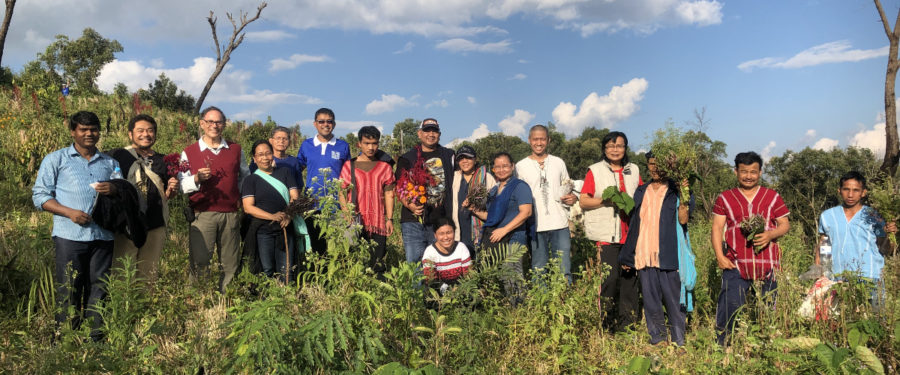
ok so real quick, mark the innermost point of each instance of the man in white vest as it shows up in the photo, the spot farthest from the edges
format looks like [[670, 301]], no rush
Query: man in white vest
[[546, 175], [608, 226]]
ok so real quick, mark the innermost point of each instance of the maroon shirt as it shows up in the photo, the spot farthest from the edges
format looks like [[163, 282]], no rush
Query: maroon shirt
[[220, 192], [735, 207]]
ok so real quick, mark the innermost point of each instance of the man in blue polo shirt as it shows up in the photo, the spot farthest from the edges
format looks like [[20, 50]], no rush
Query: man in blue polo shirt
[[317, 153], [67, 185], [857, 232]]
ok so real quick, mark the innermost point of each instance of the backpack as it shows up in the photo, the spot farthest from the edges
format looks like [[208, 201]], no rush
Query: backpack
[[686, 269]]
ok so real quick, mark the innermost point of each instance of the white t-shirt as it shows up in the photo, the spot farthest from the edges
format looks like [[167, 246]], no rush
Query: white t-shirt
[[546, 188]]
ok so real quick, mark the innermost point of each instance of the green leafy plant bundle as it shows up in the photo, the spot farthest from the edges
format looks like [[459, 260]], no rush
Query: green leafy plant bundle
[[884, 197], [676, 157]]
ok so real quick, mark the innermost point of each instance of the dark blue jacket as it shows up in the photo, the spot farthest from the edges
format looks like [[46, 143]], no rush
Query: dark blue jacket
[[668, 239]]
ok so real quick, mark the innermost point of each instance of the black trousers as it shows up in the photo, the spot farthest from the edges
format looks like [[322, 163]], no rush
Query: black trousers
[[317, 242], [377, 253], [81, 271], [620, 291]]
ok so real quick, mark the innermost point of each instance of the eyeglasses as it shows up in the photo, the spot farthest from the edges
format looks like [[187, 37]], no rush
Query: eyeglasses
[[222, 122], [264, 153], [615, 147], [505, 166], [323, 122]]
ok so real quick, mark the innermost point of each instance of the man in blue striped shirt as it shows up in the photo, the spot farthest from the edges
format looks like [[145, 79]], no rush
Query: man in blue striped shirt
[[856, 231], [67, 185]]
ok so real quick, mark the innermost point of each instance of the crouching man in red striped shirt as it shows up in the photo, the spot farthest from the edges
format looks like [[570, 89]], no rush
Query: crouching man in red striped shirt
[[742, 261]]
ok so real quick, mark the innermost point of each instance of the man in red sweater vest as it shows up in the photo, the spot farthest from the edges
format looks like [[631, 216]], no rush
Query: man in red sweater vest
[[217, 168]]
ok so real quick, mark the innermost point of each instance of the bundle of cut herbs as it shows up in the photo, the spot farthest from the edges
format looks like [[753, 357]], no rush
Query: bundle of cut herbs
[[477, 197], [884, 197], [300, 206], [676, 158], [751, 226]]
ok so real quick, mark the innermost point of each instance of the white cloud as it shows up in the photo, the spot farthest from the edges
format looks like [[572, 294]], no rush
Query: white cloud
[[459, 45], [232, 86], [872, 139], [601, 111], [406, 48], [268, 35], [480, 132], [515, 124], [37, 22], [766, 153], [472, 100], [700, 13], [294, 61], [157, 63], [825, 144], [523, 61], [832, 52], [388, 103], [517, 77], [443, 103], [810, 133]]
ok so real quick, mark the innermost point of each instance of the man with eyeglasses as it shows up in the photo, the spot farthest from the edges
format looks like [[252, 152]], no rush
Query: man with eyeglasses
[[280, 141], [322, 151], [417, 219], [546, 174], [217, 168]]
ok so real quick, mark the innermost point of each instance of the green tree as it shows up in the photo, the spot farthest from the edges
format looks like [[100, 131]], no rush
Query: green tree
[[486, 147], [80, 59], [808, 180], [165, 94], [580, 152], [405, 131]]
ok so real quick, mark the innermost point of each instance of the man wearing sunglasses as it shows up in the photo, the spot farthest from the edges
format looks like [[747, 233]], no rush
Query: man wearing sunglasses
[[322, 151]]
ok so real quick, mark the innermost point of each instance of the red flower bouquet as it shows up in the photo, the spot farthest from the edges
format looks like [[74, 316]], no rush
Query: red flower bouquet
[[174, 164]]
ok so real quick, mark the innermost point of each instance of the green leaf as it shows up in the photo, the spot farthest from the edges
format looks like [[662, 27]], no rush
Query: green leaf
[[866, 356], [638, 365]]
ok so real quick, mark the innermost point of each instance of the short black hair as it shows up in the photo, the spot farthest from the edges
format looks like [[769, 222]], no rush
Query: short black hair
[[326, 111], [747, 158], [649, 155], [541, 128], [141, 117], [85, 118], [611, 137], [280, 129], [853, 175], [260, 142], [209, 109], [500, 155], [369, 131], [441, 221]]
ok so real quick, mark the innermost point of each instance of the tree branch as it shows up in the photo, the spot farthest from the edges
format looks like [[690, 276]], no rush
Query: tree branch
[[212, 24]]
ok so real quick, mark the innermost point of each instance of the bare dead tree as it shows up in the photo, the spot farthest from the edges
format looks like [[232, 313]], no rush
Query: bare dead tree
[[700, 123], [223, 53], [10, 4], [892, 143]]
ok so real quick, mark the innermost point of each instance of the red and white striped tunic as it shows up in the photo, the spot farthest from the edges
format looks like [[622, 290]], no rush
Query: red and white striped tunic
[[736, 207], [446, 267]]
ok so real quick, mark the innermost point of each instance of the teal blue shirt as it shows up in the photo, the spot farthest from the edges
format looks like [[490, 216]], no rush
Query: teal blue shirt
[[853, 246]]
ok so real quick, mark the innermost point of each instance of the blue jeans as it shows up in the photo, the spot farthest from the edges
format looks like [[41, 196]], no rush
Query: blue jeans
[[272, 255], [416, 237], [662, 288], [560, 243]]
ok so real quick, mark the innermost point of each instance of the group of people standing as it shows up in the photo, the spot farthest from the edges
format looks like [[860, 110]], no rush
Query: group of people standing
[[108, 206]]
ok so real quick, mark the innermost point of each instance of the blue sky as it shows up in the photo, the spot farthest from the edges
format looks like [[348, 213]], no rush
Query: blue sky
[[773, 75]]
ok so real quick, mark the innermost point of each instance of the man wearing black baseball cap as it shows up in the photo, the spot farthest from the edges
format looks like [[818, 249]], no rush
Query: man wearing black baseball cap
[[416, 218]]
